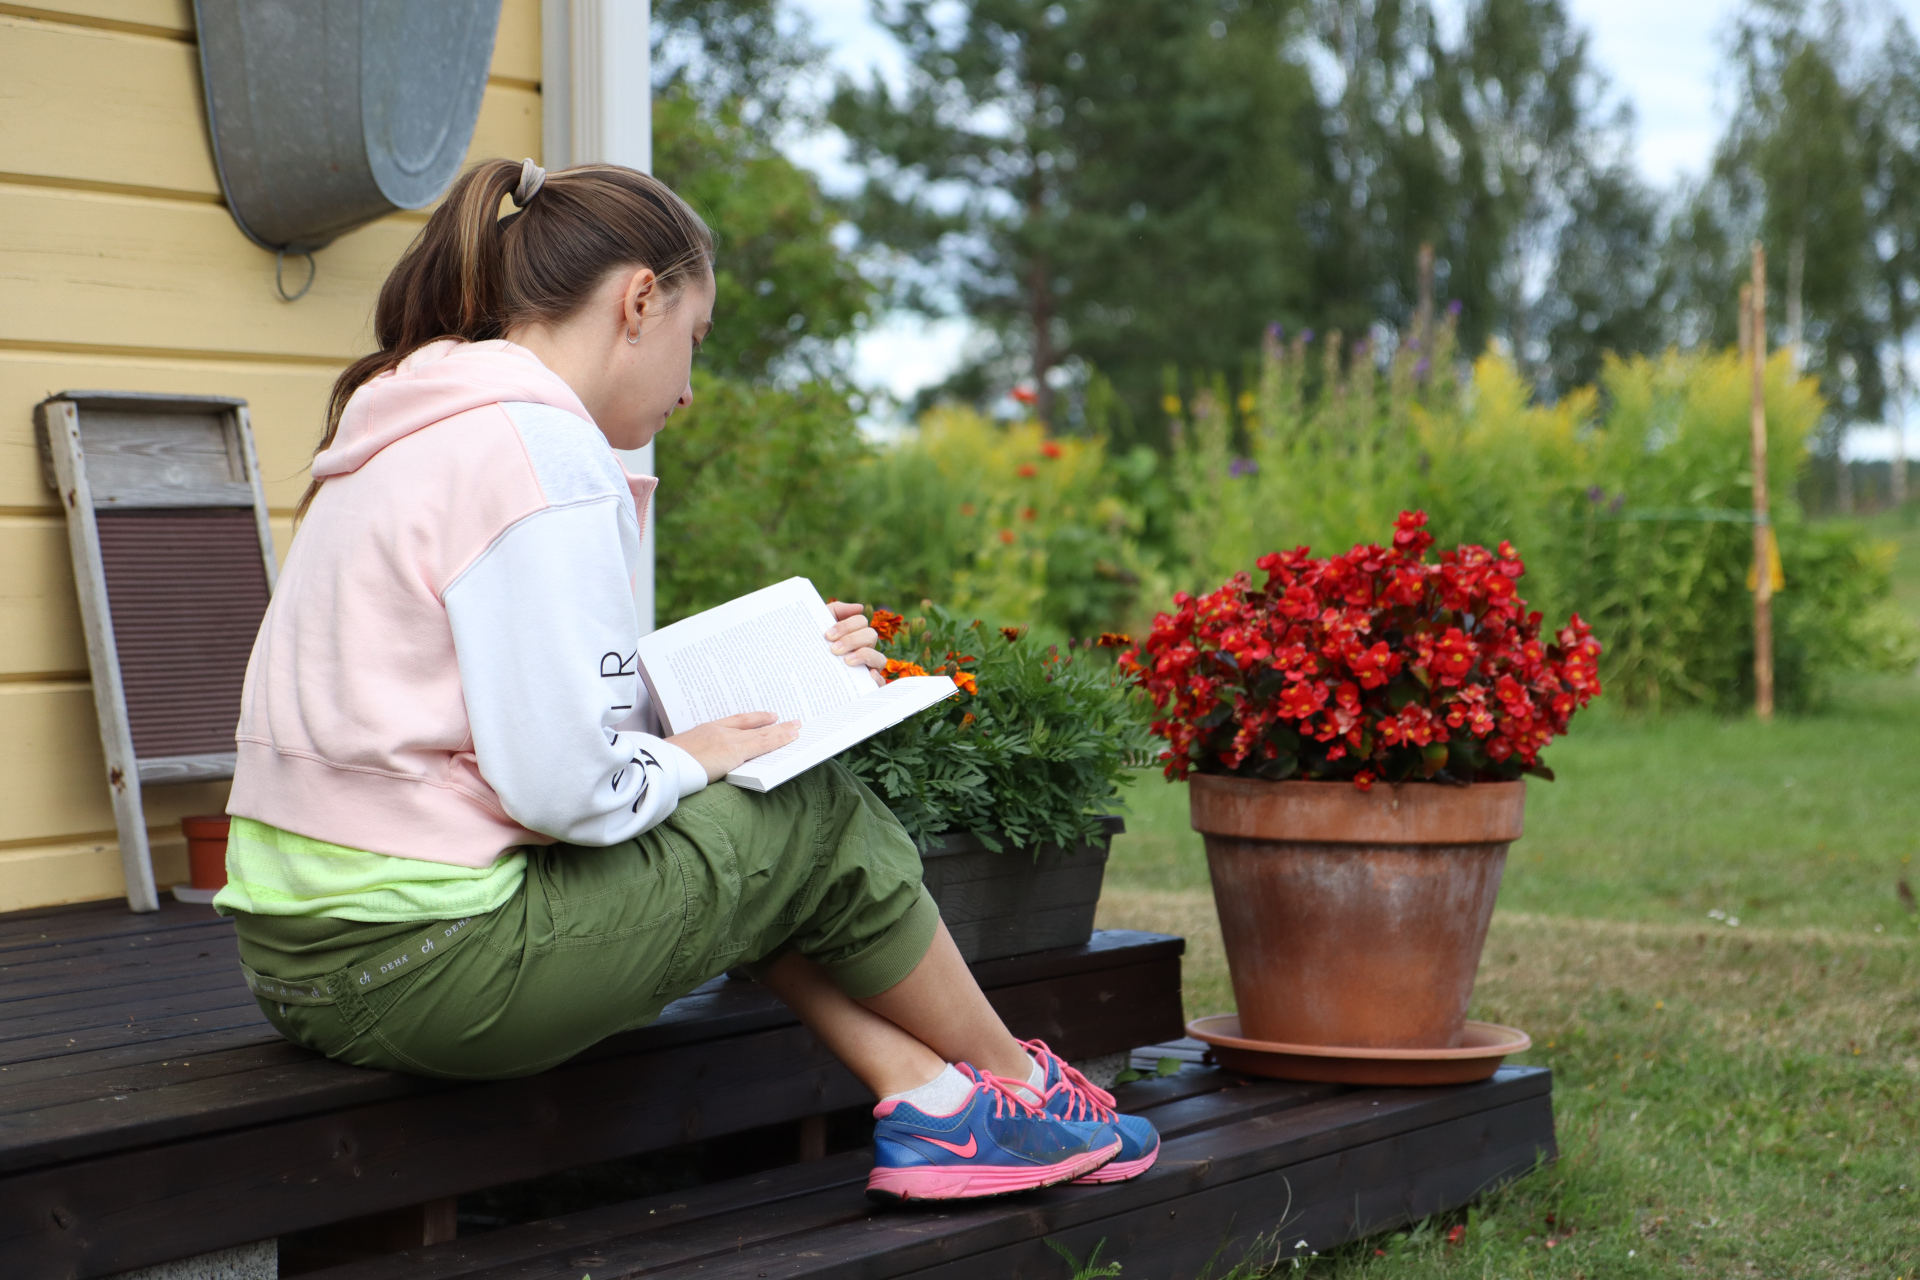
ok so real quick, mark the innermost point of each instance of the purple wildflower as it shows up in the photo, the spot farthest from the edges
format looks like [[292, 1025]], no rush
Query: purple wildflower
[[1454, 308], [1596, 495], [1420, 370], [1242, 467]]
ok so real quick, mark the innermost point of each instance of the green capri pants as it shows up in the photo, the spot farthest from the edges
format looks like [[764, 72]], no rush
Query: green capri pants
[[600, 940]]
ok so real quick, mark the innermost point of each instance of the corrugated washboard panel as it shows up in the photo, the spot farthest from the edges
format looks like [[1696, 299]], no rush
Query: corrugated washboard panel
[[187, 589]]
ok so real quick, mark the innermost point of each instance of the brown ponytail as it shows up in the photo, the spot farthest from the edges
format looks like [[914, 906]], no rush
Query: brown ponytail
[[472, 274]]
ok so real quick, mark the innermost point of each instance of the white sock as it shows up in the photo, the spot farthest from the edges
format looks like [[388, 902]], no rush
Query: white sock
[[943, 1095], [1036, 1078]]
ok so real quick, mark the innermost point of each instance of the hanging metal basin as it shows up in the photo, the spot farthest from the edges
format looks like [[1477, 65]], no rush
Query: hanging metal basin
[[327, 114]]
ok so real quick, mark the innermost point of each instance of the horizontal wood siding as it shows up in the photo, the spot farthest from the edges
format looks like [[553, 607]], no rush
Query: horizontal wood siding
[[123, 271]]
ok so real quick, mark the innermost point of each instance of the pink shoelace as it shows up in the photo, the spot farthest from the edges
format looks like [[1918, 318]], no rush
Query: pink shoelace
[[1087, 1099], [1006, 1093]]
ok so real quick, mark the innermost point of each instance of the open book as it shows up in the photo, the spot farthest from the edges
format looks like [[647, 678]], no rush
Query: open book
[[765, 652]]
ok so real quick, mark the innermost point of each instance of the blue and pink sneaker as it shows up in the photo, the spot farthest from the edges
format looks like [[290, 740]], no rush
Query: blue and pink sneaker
[[997, 1142], [1071, 1096]]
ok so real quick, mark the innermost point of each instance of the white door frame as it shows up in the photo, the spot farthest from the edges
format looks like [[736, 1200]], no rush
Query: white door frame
[[596, 81]]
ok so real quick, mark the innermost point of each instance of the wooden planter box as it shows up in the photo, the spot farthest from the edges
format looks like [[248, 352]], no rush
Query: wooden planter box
[[1009, 903]]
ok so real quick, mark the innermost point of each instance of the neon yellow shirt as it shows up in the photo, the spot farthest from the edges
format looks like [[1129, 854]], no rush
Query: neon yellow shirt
[[271, 872]]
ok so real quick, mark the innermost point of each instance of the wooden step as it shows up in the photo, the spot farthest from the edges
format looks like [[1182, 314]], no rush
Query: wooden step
[[1240, 1160]]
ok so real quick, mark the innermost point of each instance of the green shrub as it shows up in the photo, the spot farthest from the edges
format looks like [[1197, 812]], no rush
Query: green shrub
[[754, 487], [1034, 756], [1629, 502], [1001, 522]]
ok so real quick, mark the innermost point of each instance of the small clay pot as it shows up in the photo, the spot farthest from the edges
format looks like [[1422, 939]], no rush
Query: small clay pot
[[207, 849], [1354, 918]]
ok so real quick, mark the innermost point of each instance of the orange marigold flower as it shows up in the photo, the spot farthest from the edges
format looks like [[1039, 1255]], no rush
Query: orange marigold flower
[[1011, 633], [897, 668], [1006, 535], [1028, 513], [966, 681], [1049, 449], [1113, 640], [887, 623], [966, 719], [1026, 471]]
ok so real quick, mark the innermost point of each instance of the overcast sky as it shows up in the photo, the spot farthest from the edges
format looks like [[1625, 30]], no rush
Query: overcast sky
[[1662, 56]]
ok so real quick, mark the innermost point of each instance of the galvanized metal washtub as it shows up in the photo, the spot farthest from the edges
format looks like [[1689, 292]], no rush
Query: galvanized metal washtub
[[328, 114], [1355, 918]]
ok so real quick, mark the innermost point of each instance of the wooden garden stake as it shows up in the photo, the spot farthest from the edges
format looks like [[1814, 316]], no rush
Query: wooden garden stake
[[1762, 527]]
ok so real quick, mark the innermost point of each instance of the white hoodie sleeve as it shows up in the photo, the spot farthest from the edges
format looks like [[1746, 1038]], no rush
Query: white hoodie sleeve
[[544, 629]]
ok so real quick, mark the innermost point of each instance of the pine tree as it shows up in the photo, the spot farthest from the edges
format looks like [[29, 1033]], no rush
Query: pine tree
[[1110, 184]]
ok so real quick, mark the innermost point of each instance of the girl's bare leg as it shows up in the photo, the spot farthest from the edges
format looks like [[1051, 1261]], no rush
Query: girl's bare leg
[[901, 1038], [885, 1058], [940, 1005]]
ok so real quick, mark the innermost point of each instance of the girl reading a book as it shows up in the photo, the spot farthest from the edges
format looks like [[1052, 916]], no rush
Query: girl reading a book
[[460, 847]]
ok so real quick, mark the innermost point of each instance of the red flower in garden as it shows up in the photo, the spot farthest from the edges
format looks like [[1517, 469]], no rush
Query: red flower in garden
[[1050, 448], [1006, 535], [1025, 395], [1026, 471], [1300, 700], [887, 623], [1380, 663]]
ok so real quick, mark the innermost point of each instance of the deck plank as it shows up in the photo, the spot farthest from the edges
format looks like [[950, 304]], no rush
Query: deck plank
[[117, 1006], [22, 930]]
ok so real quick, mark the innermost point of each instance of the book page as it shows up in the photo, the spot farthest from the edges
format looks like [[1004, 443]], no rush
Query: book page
[[827, 736], [761, 652]]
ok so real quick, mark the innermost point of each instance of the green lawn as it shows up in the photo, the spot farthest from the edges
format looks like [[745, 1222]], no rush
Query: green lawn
[[1732, 1100]]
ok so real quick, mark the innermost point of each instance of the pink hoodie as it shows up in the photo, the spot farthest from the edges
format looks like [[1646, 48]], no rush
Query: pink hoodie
[[446, 669]]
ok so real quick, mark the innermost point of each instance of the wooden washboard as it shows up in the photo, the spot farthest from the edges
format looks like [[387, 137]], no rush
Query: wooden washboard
[[173, 563]]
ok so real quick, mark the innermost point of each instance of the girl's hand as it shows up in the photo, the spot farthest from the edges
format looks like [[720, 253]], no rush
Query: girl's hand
[[723, 745], [853, 640]]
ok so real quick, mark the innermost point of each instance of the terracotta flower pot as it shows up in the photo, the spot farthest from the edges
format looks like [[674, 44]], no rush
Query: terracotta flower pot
[[1354, 918], [206, 849]]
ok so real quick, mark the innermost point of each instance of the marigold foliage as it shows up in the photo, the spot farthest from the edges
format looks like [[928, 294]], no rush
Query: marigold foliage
[[1374, 664], [1033, 752]]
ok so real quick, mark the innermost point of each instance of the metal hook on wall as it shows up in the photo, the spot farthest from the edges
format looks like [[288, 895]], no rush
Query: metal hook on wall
[[279, 283]]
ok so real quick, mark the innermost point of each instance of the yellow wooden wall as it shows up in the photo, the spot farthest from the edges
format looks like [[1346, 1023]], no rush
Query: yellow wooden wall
[[120, 270]]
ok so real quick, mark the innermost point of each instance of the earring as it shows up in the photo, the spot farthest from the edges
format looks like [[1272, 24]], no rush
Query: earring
[[633, 337]]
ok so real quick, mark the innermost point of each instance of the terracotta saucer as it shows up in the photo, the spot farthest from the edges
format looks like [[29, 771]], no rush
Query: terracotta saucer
[[1482, 1047]]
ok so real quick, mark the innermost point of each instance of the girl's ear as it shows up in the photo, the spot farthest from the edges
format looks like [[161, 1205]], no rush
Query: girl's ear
[[640, 299]]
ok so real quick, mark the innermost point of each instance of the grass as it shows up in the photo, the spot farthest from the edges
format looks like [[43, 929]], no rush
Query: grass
[[1732, 1099]]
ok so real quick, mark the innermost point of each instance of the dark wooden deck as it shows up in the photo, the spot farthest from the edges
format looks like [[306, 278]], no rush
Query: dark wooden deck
[[148, 1112]]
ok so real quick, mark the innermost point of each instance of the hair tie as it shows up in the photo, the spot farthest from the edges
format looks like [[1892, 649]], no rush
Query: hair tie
[[532, 178]]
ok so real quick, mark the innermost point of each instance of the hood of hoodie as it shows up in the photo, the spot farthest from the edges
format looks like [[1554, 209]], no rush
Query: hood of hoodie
[[437, 381]]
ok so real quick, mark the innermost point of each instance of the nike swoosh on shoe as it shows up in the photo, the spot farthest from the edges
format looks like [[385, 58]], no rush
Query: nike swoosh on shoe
[[965, 1153]]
